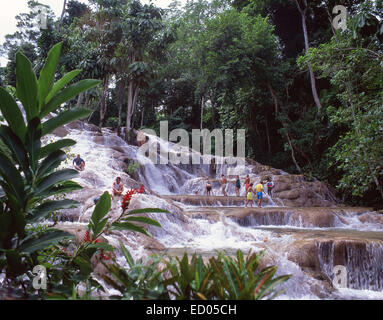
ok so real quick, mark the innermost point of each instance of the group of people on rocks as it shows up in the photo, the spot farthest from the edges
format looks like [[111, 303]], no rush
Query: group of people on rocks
[[257, 190]]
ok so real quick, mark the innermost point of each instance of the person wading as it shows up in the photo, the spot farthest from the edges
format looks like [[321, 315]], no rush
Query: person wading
[[237, 186], [208, 189], [259, 191], [224, 185], [247, 182], [249, 195]]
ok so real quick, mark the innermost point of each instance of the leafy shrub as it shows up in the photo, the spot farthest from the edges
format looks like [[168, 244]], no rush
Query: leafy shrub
[[222, 277], [29, 171]]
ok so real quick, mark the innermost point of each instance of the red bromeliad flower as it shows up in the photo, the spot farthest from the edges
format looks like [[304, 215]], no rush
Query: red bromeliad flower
[[87, 238], [128, 196]]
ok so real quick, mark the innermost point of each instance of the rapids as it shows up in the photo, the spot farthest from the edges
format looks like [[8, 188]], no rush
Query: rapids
[[303, 228]]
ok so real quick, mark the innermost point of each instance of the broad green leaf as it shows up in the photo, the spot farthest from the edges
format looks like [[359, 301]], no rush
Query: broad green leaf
[[50, 163], [15, 266], [12, 114], [33, 142], [85, 266], [50, 206], [67, 94], [47, 74], [129, 227], [143, 220], [61, 84], [147, 210], [100, 211], [45, 240], [15, 144], [26, 86], [64, 118], [12, 178], [64, 187], [127, 255], [52, 147], [101, 245], [54, 179]]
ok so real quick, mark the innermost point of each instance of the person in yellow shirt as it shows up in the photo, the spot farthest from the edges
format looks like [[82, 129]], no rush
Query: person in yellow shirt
[[259, 191]]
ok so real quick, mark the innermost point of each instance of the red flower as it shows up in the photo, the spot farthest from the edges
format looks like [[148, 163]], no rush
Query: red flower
[[86, 237], [128, 196]]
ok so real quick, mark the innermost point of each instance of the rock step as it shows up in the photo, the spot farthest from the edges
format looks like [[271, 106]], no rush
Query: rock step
[[198, 200], [315, 217]]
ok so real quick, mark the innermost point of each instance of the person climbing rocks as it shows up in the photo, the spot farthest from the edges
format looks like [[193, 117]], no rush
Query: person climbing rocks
[[249, 195], [270, 187], [118, 187], [224, 185], [237, 186], [208, 188], [78, 163], [247, 182], [259, 190]]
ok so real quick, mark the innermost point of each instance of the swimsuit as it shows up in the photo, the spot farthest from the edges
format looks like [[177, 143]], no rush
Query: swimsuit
[[259, 195], [78, 161], [249, 196], [208, 188]]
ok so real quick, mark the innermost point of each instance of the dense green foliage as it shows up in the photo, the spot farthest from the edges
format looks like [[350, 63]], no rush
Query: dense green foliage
[[222, 277], [232, 64], [31, 179]]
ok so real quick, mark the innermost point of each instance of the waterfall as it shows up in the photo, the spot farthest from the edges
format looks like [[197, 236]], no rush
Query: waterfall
[[202, 224], [363, 262]]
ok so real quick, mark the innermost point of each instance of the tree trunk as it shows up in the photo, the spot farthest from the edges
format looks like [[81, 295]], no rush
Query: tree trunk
[[212, 111], [62, 15], [307, 47], [202, 105], [276, 103], [303, 155], [275, 99], [103, 102], [87, 100], [142, 115], [121, 94], [132, 101], [268, 135], [80, 98], [292, 153]]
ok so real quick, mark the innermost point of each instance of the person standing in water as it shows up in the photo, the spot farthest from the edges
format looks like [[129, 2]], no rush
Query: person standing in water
[[270, 187], [237, 186], [78, 163], [247, 182], [208, 188], [224, 185], [118, 187], [249, 195], [259, 191]]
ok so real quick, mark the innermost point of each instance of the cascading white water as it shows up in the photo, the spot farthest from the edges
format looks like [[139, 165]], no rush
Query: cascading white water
[[103, 156]]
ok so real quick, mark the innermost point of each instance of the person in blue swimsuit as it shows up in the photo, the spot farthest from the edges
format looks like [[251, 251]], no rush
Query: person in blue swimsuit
[[78, 163], [237, 186]]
